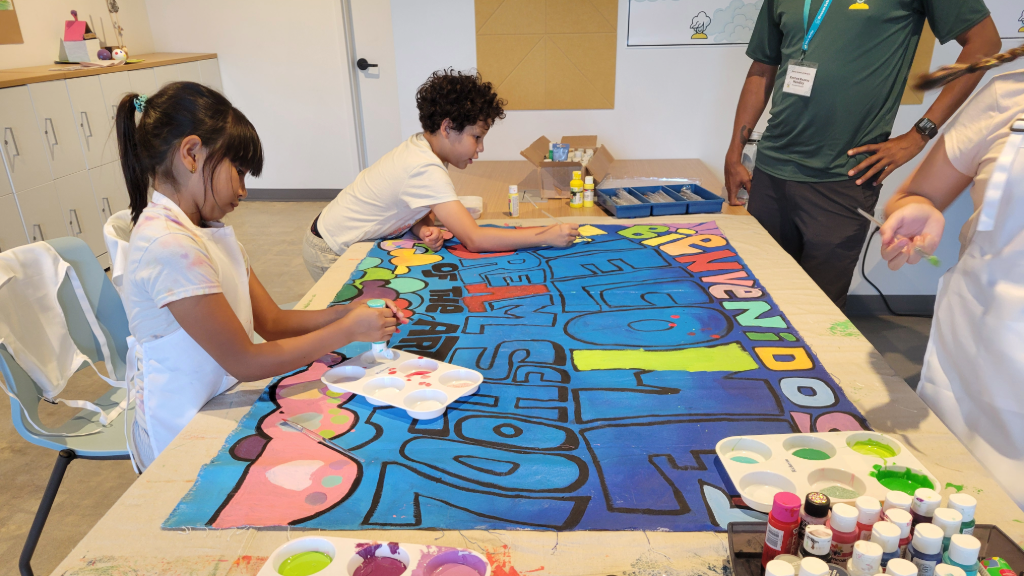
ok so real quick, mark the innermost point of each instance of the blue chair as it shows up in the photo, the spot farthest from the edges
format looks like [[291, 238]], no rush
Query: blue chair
[[107, 444]]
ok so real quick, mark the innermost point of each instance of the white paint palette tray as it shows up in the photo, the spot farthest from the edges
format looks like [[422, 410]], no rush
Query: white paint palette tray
[[351, 557], [838, 464], [422, 387]]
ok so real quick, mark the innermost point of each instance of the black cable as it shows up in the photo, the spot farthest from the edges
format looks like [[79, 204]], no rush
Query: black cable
[[864, 274]]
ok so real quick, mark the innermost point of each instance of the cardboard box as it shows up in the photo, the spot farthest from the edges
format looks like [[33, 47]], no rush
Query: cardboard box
[[552, 178]]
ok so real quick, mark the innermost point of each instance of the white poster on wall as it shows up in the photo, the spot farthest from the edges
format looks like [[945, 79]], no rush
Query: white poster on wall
[[1009, 18], [682, 22]]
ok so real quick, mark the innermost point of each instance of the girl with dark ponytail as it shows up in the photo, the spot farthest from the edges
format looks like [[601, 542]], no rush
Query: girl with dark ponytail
[[193, 303], [971, 376]]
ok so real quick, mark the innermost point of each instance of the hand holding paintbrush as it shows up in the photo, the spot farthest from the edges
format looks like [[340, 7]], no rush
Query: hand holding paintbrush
[[897, 244]]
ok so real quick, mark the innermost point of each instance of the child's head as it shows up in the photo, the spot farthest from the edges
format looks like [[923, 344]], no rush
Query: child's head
[[191, 139], [459, 109]]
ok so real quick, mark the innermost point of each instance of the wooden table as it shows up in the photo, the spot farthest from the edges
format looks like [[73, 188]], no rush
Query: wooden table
[[490, 180], [32, 74], [128, 540]]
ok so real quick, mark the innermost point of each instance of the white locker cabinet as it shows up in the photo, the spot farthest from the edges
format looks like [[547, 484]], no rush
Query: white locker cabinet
[[210, 73], [189, 72], [143, 81], [5, 183], [94, 126], [12, 233], [41, 213], [22, 140], [81, 215], [57, 123], [111, 192], [115, 86]]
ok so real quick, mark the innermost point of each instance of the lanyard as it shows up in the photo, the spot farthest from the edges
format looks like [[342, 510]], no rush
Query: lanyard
[[809, 33]]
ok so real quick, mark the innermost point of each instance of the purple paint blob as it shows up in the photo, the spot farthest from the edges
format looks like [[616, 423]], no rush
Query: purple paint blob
[[338, 464], [456, 570], [248, 448], [380, 566], [456, 563], [316, 498]]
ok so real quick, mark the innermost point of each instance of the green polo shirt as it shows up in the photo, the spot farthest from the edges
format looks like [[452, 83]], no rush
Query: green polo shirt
[[863, 57]]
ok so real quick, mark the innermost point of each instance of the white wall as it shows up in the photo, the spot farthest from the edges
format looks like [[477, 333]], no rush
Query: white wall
[[42, 26], [284, 66]]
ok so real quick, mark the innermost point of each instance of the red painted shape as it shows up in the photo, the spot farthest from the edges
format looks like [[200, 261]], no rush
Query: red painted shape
[[803, 421], [705, 262], [483, 293], [461, 251], [674, 316], [730, 278]]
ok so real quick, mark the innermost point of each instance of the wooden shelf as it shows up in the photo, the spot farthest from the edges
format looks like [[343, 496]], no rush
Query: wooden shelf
[[34, 74]]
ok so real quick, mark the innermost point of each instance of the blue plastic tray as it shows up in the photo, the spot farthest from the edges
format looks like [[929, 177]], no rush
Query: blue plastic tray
[[624, 211], [663, 208], [711, 203]]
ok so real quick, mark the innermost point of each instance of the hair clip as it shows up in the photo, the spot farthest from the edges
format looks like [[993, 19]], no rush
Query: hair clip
[[140, 102]]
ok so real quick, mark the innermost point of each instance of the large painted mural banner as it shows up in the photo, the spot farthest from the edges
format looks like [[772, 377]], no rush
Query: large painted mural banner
[[611, 369]]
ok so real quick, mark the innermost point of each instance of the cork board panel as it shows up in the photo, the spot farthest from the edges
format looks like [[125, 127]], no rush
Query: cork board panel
[[922, 65], [10, 31], [548, 54]]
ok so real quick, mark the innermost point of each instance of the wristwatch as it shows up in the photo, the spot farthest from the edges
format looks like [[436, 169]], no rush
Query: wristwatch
[[926, 128]]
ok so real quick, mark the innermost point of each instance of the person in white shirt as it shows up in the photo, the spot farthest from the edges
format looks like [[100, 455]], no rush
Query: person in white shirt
[[971, 377], [193, 303], [409, 186]]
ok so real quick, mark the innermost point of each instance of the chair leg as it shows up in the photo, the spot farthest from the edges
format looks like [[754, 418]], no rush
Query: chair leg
[[64, 457]]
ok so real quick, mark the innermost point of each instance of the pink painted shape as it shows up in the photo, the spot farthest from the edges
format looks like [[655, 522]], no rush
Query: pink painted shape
[[803, 420], [840, 421]]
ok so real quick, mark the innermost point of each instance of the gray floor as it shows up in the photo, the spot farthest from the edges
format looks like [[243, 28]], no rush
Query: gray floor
[[272, 234]]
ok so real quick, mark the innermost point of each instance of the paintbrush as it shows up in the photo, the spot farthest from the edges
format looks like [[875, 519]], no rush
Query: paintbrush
[[319, 439], [579, 238], [931, 258]]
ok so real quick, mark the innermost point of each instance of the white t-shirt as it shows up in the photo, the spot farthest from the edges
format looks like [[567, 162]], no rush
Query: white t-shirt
[[976, 137], [389, 197], [167, 261]]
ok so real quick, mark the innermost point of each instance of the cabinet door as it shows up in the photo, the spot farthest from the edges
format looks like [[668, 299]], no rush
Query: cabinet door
[[166, 74], [81, 215], [111, 193], [22, 140], [115, 86], [12, 233], [190, 72], [40, 210], [143, 81], [60, 131], [209, 71], [94, 127]]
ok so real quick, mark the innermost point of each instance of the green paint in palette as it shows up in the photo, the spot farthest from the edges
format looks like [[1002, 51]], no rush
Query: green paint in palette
[[304, 564], [874, 448], [838, 492], [743, 459], [905, 480], [811, 454]]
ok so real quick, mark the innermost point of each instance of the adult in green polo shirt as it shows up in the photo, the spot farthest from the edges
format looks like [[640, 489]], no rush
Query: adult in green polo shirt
[[827, 147]]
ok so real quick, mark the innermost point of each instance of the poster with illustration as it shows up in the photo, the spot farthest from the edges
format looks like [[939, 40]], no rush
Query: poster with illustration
[[681, 22], [1009, 18]]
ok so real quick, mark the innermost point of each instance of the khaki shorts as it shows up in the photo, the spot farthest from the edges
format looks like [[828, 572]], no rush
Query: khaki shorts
[[317, 255]]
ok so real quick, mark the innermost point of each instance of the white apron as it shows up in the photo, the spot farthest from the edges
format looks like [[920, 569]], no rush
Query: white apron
[[172, 378], [973, 373]]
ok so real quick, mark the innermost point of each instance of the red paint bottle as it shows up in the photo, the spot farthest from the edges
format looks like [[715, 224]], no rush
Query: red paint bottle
[[783, 522]]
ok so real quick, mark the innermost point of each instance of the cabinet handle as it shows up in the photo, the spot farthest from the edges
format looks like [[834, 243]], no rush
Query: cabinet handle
[[13, 141], [113, 112], [86, 124], [106, 208], [74, 222], [47, 132], [37, 233]]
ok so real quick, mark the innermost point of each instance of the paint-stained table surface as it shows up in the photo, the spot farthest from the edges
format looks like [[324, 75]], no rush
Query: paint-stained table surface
[[128, 540]]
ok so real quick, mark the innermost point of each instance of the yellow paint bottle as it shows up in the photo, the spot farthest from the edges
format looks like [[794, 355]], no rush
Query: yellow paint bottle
[[576, 190], [588, 192]]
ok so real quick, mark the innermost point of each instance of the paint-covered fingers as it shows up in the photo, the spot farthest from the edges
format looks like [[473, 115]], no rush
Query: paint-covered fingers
[[396, 311]]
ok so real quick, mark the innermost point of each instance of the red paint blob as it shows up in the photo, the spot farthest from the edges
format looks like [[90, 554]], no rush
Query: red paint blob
[[674, 316], [671, 325], [691, 333], [715, 336]]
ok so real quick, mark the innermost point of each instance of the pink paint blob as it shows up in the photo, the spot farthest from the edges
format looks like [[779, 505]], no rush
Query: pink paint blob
[[456, 570], [380, 566]]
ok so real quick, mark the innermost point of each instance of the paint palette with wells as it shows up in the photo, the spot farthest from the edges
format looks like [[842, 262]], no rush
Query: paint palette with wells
[[422, 387], [351, 557], [842, 465]]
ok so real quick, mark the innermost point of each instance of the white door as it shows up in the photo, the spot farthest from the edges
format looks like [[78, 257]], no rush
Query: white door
[[41, 212], [12, 233], [94, 126], [60, 131], [373, 47], [78, 205], [111, 193], [22, 140]]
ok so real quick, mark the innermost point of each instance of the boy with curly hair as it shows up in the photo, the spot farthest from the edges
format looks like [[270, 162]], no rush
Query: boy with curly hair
[[410, 185]]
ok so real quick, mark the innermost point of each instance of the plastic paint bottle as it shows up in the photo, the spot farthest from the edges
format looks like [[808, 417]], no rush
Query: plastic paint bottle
[[925, 551], [926, 501], [901, 567], [886, 535], [996, 566], [901, 518], [947, 570], [817, 543], [779, 568], [813, 567], [963, 553], [576, 190], [837, 570], [965, 505], [843, 524], [866, 560], [783, 522], [794, 561], [897, 499], [814, 512], [588, 192], [948, 520], [869, 511], [513, 201]]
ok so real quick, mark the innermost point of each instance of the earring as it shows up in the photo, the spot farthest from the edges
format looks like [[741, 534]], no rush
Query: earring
[[192, 169]]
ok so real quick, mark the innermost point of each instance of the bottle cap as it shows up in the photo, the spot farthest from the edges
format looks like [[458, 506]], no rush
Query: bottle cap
[[813, 567], [947, 570], [816, 505], [948, 520], [896, 499], [575, 175], [513, 189], [786, 507], [867, 557], [902, 519], [928, 539], [836, 570], [963, 504], [844, 518], [588, 180], [901, 567], [964, 549], [376, 303], [886, 535], [817, 540], [793, 561], [926, 501], [869, 510], [779, 568]]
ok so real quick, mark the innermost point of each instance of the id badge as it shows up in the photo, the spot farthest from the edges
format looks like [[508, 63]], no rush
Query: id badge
[[800, 77]]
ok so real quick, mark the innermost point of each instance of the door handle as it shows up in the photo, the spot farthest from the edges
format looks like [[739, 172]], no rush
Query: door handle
[[106, 208], [86, 124], [73, 222], [12, 141], [37, 233], [113, 112], [363, 64], [47, 132]]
